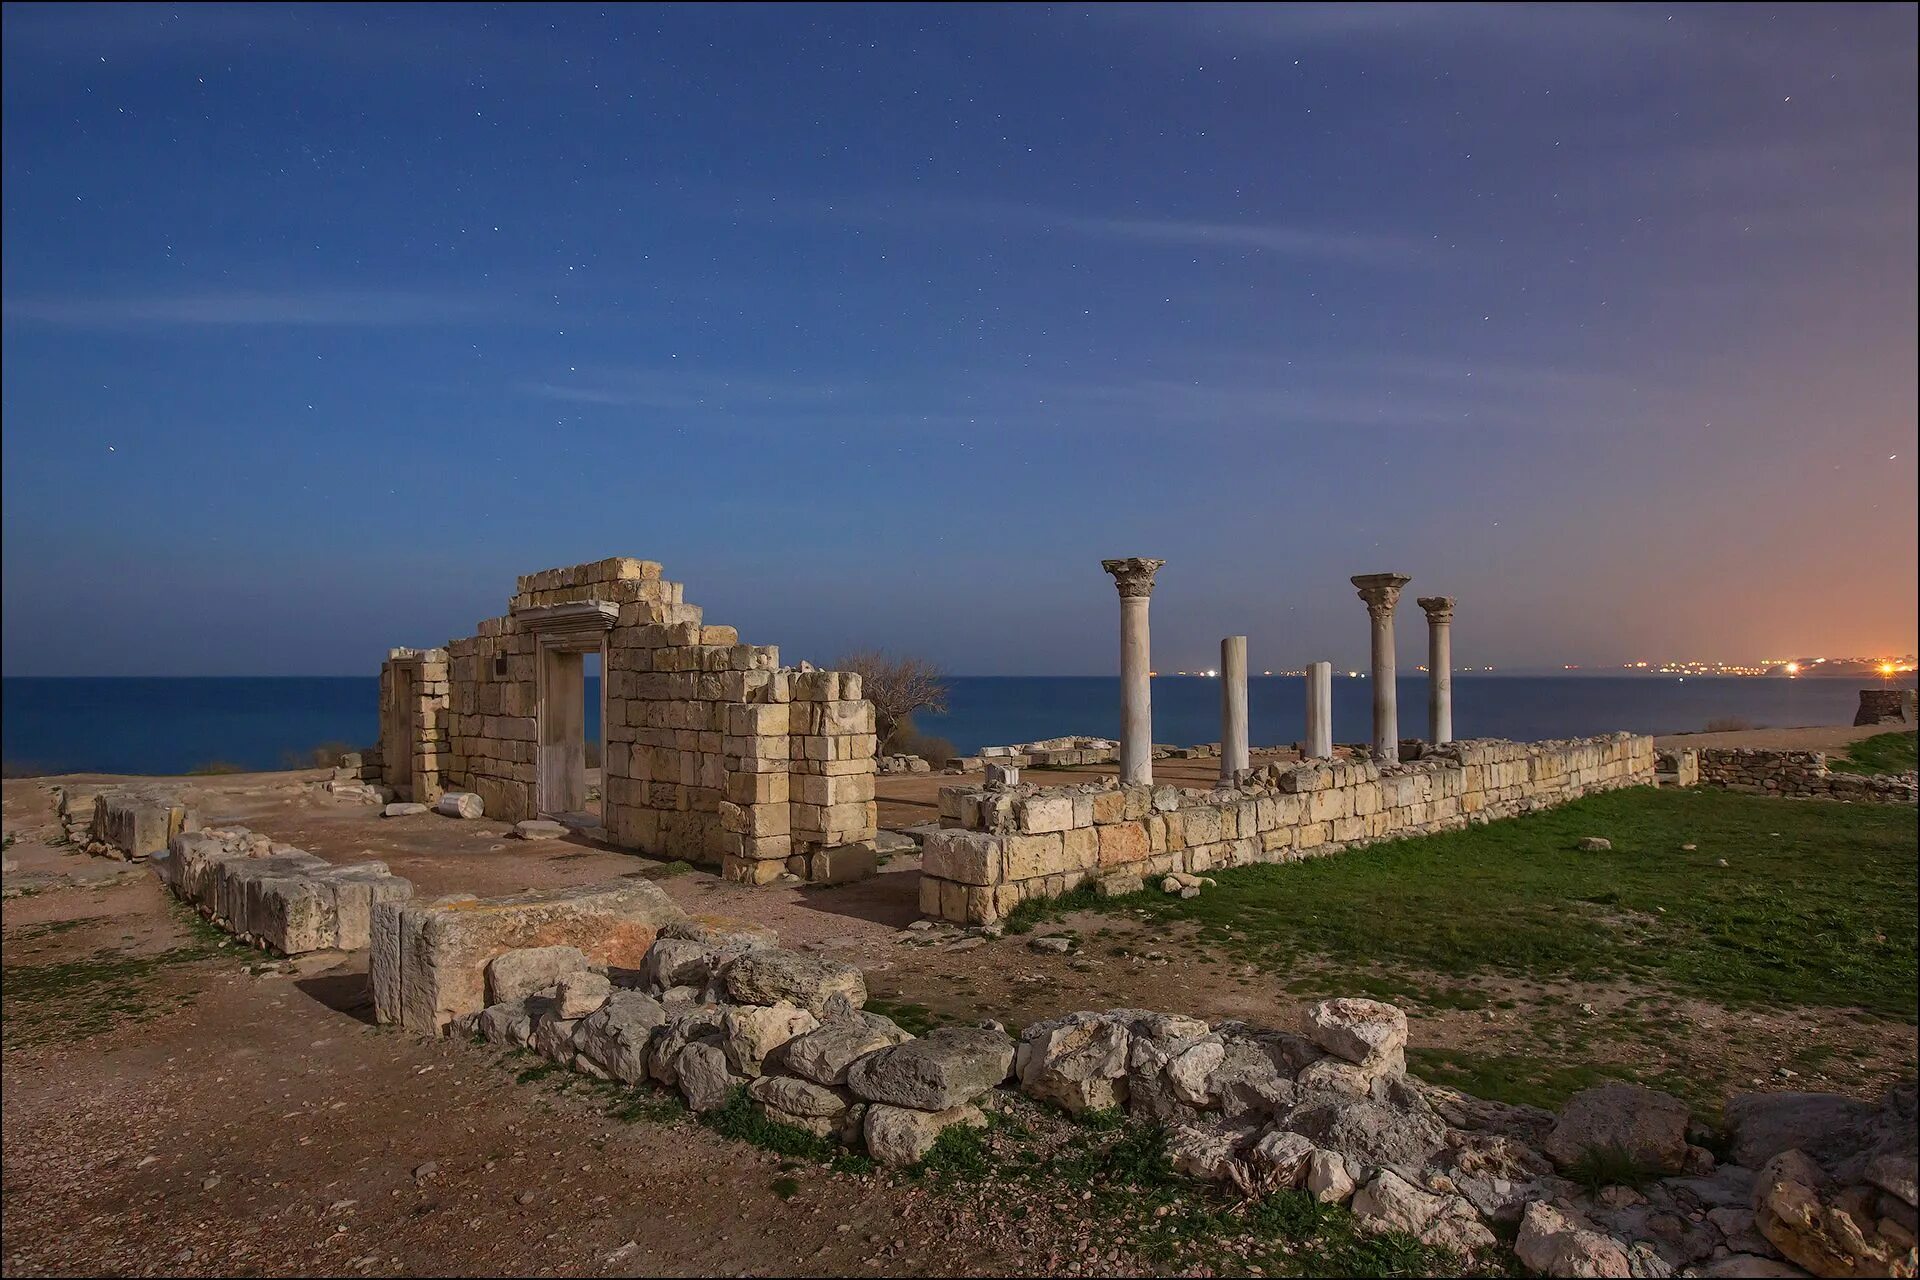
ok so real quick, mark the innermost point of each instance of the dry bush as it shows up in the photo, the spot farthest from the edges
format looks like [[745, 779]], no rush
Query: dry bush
[[897, 687], [909, 741]]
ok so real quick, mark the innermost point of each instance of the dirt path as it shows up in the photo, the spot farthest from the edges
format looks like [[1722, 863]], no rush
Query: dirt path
[[1833, 737]]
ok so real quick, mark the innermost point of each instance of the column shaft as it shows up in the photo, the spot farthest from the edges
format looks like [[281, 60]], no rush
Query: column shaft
[[1234, 756], [1136, 693], [1381, 591], [1439, 610], [1319, 740]]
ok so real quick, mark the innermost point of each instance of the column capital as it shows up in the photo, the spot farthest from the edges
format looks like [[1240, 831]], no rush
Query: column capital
[[1134, 575], [1439, 608], [1381, 591]]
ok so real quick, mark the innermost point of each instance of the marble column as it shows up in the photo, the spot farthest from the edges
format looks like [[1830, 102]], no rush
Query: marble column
[[1381, 591], [1233, 707], [1319, 741], [1439, 668], [1134, 579]]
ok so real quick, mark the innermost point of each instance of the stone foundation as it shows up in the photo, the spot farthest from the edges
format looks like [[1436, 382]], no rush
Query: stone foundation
[[1801, 775], [274, 895], [1886, 706], [1002, 845]]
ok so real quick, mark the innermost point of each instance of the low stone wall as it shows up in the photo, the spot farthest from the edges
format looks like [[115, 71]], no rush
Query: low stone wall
[[274, 895], [135, 824], [1801, 775], [430, 960], [1002, 845], [713, 1014], [1678, 768]]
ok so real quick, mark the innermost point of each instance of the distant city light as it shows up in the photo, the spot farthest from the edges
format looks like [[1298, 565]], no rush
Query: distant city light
[[1793, 668]]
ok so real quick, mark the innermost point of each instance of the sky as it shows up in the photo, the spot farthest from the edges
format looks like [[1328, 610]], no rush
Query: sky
[[883, 326]]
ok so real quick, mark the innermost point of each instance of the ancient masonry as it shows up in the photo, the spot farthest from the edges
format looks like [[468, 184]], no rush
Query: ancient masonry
[[713, 752], [1001, 845], [1799, 775]]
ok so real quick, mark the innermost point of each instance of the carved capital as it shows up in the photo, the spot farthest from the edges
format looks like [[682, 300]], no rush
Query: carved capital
[[1439, 609], [1133, 576], [1381, 591]]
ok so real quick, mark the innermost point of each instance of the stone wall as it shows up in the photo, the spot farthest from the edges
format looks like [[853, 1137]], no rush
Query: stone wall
[[1886, 706], [1001, 845], [713, 752], [1799, 774], [276, 896], [415, 726]]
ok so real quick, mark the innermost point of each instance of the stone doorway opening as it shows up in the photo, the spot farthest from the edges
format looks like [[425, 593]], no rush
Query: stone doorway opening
[[402, 700], [568, 767]]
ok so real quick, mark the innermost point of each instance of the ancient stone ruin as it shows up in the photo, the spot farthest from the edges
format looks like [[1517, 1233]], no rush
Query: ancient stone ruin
[[711, 751]]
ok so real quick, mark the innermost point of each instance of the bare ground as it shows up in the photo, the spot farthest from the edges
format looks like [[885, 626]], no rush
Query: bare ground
[[227, 1120]]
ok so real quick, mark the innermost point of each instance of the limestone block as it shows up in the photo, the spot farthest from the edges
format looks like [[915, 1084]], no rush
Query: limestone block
[[964, 856], [139, 823], [1030, 856], [444, 946], [1044, 813], [460, 804], [842, 863], [1122, 843]]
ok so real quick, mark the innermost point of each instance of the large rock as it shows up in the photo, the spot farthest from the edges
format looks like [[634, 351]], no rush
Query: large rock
[[1368, 1033], [553, 1037], [679, 962], [1281, 1158], [507, 1025], [773, 976], [1391, 1203], [1078, 1062], [793, 1096], [430, 959], [614, 1041], [1645, 1124], [1828, 1229], [945, 1068], [824, 1055], [581, 992], [514, 975], [1825, 1126], [749, 1032], [684, 1024], [1559, 1243], [1369, 1133], [706, 1081], [1211, 1149], [903, 1135]]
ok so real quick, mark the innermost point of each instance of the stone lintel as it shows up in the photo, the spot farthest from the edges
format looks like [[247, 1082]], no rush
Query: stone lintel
[[584, 615]]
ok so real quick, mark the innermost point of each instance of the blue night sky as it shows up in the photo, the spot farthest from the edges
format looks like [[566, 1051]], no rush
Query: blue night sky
[[884, 325]]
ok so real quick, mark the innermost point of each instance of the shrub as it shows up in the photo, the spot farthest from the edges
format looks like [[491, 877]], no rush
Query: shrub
[[897, 687], [909, 741]]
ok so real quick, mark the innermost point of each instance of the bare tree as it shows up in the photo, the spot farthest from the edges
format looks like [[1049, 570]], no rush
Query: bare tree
[[897, 687]]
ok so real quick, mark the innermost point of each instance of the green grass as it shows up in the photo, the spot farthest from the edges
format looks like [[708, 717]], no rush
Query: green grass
[[1814, 908], [1121, 1180], [70, 1000], [1882, 753], [915, 1019], [740, 1120]]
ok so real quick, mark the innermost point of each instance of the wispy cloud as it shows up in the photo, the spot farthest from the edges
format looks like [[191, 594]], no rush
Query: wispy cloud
[[1280, 238], [693, 390], [242, 309]]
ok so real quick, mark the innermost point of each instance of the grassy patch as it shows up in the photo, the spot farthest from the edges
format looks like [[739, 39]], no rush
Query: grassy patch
[[667, 871], [1032, 911], [1882, 753], [916, 1019], [1815, 906], [1610, 1166], [1181, 1225], [785, 1188], [71, 1000], [740, 1120]]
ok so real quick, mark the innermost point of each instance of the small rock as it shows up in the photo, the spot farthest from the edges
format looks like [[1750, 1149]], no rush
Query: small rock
[[1688, 848], [402, 809], [539, 829], [1595, 844], [421, 1172], [967, 944], [1056, 944]]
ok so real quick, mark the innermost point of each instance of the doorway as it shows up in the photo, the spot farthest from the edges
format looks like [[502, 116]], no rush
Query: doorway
[[566, 720], [397, 735]]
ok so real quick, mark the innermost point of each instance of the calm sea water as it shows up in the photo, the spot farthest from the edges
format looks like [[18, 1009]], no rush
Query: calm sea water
[[172, 726]]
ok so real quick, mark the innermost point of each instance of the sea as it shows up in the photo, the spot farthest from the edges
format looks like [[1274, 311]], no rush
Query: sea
[[175, 726]]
